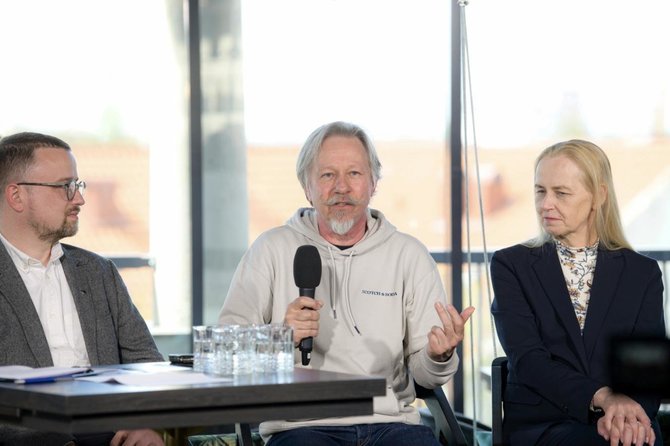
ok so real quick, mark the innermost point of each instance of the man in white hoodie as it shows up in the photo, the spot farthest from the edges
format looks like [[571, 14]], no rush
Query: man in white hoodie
[[380, 308]]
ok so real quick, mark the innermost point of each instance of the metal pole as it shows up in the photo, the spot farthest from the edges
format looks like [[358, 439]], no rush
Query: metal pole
[[456, 187], [195, 112]]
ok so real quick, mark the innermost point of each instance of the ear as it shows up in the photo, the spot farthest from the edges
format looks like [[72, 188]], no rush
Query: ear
[[601, 196], [307, 196], [14, 198]]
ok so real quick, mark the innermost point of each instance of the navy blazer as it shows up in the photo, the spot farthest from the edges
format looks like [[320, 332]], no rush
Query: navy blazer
[[554, 370]]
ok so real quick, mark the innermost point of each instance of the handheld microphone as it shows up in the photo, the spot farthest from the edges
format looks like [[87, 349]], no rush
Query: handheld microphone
[[307, 276]]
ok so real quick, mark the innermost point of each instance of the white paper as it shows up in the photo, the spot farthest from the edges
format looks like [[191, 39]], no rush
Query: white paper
[[175, 377], [167, 379], [22, 372]]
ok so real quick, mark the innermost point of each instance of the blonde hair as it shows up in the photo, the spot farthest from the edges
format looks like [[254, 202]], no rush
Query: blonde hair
[[596, 172]]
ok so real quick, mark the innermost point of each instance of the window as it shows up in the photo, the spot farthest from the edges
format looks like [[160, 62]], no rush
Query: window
[[108, 77], [544, 72], [382, 65]]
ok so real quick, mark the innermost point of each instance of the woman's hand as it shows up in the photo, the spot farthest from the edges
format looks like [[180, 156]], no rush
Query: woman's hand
[[624, 421]]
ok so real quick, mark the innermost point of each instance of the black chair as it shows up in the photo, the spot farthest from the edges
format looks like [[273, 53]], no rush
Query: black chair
[[243, 431], [244, 435], [446, 422], [498, 382]]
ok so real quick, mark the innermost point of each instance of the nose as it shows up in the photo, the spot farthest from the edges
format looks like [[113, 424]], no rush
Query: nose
[[546, 202], [341, 184], [78, 198]]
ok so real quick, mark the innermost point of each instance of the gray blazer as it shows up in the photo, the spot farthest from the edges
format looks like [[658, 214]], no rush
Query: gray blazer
[[114, 331]]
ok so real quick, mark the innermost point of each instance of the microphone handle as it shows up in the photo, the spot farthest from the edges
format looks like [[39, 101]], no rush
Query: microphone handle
[[307, 292], [306, 350], [306, 343]]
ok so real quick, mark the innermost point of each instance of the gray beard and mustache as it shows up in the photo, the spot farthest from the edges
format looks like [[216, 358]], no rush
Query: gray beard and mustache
[[339, 224]]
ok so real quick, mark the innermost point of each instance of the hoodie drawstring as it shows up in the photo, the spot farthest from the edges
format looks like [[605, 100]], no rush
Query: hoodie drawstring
[[344, 287], [347, 300], [333, 281]]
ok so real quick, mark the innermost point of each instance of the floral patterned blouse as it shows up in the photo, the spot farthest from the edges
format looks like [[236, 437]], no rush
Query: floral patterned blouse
[[578, 265]]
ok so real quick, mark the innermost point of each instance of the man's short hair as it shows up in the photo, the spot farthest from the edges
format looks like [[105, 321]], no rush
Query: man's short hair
[[17, 153], [310, 149]]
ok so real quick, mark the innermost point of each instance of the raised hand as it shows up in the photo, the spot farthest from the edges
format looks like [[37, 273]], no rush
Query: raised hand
[[443, 340]]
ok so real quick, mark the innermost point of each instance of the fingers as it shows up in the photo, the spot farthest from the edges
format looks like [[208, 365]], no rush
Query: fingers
[[651, 435], [627, 437], [306, 302], [452, 321], [614, 436], [438, 347], [137, 437], [604, 431], [618, 423], [645, 432], [640, 434], [302, 314], [633, 433], [617, 435], [605, 426], [465, 314], [442, 340], [119, 438], [624, 420], [446, 337]]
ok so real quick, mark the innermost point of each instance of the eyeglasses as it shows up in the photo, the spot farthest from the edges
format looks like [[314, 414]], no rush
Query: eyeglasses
[[71, 187]]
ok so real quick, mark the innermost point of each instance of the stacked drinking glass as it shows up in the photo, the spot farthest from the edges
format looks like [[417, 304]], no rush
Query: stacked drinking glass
[[236, 350]]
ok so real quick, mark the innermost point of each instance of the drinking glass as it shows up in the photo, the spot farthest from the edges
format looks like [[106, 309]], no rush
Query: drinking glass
[[203, 349], [282, 348]]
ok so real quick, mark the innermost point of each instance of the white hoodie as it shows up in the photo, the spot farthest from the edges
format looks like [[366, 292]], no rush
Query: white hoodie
[[378, 311]]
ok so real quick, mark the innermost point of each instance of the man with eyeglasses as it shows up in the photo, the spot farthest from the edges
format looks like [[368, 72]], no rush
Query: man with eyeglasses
[[59, 305]]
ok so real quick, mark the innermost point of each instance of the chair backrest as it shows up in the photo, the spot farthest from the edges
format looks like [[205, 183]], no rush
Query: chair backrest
[[498, 382], [440, 409]]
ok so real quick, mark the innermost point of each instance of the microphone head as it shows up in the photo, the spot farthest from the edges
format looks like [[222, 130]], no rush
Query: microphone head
[[307, 267]]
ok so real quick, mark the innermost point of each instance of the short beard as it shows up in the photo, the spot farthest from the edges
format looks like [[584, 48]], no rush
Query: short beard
[[54, 235], [341, 227]]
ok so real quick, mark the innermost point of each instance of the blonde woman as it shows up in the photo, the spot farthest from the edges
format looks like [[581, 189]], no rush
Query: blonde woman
[[559, 298]]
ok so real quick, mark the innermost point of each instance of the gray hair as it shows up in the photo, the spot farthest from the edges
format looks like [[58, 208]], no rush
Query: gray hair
[[310, 150]]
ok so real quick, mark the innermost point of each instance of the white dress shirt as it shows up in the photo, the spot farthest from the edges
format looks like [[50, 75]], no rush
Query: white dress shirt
[[52, 297]]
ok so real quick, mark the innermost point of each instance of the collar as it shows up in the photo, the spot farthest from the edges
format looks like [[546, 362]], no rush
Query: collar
[[23, 261], [562, 247]]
